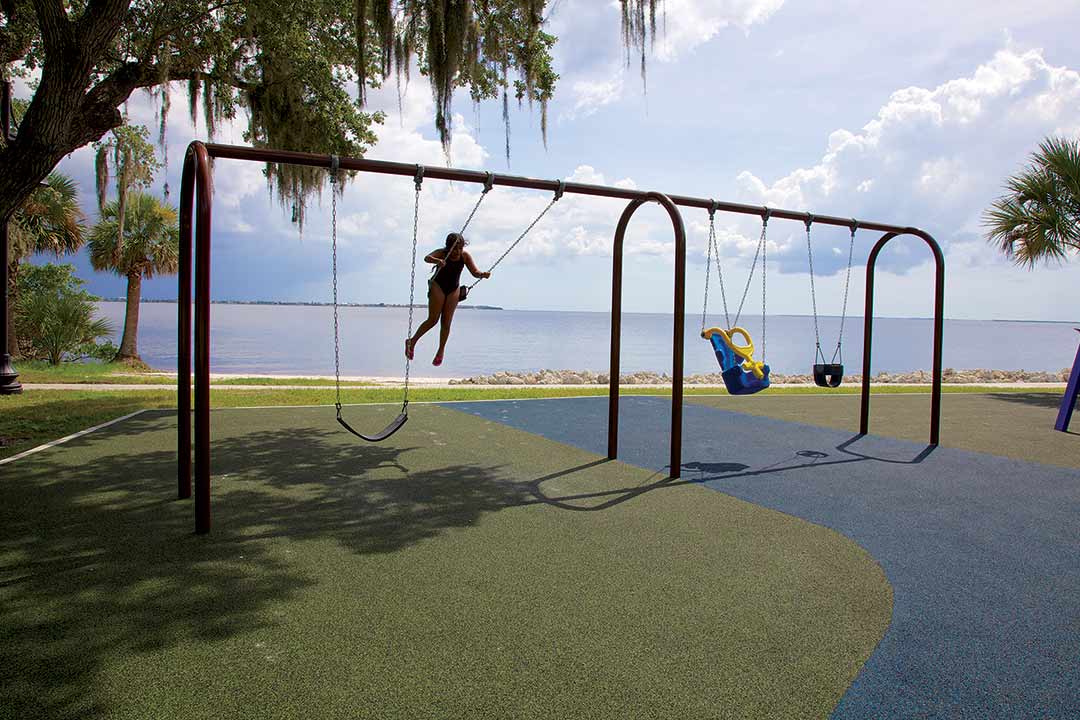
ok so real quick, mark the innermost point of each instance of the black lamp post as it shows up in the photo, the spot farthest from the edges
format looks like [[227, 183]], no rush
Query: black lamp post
[[9, 384]]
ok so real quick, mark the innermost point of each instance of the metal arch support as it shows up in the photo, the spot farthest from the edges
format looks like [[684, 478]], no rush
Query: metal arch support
[[195, 193], [183, 328], [939, 320], [679, 313]]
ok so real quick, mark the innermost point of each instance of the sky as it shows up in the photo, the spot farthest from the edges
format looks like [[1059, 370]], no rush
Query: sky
[[911, 113]]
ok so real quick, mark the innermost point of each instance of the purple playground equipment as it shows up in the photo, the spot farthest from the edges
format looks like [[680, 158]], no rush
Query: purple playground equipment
[[1071, 393]]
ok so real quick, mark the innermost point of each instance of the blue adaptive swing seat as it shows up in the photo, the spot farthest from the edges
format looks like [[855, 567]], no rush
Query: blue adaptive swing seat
[[742, 374]]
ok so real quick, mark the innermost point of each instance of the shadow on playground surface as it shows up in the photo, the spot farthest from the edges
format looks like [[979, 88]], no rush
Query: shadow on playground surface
[[983, 552], [105, 592], [461, 570]]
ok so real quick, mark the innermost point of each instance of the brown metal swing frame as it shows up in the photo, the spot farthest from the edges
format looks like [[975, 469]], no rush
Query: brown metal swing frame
[[195, 244]]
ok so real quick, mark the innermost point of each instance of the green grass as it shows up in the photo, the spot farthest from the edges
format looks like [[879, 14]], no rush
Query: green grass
[[40, 416], [31, 371], [110, 374]]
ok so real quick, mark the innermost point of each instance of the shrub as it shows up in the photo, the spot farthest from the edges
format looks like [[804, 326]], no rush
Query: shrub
[[56, 316]]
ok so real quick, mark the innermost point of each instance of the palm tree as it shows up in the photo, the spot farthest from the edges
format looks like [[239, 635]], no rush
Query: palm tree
[[49, 221], [1039, 217], [133, 161], [151, 246]]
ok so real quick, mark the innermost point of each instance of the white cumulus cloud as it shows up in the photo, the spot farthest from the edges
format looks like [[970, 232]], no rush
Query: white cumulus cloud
[[591, 95], [934, 157], [688, 24]]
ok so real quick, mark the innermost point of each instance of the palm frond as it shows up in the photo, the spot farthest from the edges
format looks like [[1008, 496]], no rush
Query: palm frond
[[49, 221], [150, 238], [1038, 219]]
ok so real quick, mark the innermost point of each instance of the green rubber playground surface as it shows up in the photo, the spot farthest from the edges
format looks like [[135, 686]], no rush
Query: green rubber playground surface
[[461, 569]]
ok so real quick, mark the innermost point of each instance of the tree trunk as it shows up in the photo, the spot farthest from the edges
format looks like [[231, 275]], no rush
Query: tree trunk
[[63, 116], [129, 349]]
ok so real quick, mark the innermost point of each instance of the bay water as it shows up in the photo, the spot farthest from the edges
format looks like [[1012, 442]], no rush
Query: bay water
[[298, 340]]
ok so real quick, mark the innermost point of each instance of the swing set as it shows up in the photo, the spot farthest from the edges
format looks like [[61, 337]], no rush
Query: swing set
[[748, 375]]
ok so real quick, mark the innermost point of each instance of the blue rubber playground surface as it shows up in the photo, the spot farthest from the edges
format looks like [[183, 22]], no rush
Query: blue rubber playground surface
[[983, 552]]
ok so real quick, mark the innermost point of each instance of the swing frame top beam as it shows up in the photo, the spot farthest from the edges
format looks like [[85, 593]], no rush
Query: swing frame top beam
[[196, 199], [480, 177]]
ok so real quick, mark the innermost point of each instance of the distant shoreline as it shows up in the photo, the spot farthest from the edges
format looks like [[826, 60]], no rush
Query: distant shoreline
[[464, 306], [1051, 322]]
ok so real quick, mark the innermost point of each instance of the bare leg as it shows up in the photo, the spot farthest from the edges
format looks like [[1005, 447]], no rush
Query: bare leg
[[436, 301], [447, 318]]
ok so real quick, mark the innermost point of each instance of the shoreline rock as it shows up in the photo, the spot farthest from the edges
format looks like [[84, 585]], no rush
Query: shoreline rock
[[643, 377]]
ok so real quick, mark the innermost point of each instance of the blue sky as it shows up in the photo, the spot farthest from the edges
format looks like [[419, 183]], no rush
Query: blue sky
[[905, 112]]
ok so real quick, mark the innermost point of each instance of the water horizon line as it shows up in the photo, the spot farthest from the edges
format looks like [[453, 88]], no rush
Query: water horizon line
[[689, 313]]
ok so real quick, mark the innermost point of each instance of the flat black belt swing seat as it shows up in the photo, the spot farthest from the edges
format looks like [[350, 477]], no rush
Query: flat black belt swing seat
[[393, 427]]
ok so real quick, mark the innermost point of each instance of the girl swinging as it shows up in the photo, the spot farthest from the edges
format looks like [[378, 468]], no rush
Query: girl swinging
[[444, 291]]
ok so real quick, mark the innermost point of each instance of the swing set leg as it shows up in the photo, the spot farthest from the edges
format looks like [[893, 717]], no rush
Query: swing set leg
[[1072, 392]]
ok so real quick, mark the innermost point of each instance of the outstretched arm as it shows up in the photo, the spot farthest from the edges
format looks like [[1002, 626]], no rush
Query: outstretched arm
[[473, 269]]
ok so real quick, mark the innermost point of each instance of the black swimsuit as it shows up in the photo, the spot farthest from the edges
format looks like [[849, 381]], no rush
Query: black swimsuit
[[449, 275]]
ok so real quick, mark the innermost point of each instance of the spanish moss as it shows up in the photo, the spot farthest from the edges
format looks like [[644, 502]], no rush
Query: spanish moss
[[209, 108], [492, 49], [506, 122], [459, 43], [638, 28], [101, 175], [194, 85], [162, 138]]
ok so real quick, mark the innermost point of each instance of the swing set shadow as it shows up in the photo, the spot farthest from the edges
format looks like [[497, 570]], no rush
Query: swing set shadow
[[196, 199], [707, 472]]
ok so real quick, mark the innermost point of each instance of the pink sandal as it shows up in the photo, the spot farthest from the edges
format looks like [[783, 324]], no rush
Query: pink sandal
[[437, 361], [408, 348]]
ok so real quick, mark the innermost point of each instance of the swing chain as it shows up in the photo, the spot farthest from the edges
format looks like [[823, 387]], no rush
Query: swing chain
[[761, 253], [708, 263], [758, 253], [813, 292], [489, 182], [839, 353], [418, 181], [558, 195], [334, 162], [764, 266]]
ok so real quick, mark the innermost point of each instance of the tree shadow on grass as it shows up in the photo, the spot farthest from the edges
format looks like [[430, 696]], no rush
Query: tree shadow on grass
[[96, 560], [369, 498]]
